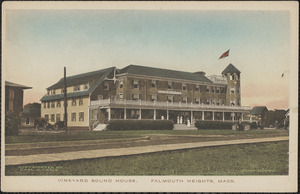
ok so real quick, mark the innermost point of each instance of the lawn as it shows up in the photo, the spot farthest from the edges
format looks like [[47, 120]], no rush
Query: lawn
[[94, 135], [248, 159]]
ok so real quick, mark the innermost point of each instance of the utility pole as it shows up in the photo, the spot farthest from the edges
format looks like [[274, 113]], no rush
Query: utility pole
[[65, 100]]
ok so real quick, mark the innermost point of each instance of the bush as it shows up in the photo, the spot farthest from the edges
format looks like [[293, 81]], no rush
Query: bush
[[12, 122], [140, 125], [213, 125], [253, 125]]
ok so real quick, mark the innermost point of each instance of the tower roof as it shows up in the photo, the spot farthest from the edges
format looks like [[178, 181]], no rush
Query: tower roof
[[230, 69]]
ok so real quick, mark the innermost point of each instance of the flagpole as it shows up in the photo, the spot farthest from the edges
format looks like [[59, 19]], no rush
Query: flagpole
[[65, 100]]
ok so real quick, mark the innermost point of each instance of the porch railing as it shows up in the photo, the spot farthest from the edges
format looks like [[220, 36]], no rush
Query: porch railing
[[107, 102]]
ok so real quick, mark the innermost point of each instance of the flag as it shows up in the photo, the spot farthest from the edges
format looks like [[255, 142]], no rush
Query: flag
[[226, 54]]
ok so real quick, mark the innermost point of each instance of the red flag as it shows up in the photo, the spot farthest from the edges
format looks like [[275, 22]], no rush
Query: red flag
[[226, 54]]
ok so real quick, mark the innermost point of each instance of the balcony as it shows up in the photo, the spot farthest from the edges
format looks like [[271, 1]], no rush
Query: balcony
[[164, 105]]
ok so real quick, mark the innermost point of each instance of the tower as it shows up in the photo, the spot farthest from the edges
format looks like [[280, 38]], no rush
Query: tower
[[233, 91]]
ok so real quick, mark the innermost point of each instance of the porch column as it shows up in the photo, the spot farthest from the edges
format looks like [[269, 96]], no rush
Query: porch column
[[125, 114], [167, 114], [223, 117], [192, 117], [213, 115], [154, 114], [109, 116], [250, 118], [242, 115], [202, 115], [140, 115], [232, 117]]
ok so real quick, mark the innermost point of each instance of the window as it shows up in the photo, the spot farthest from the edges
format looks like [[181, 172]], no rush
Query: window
[[48, 104], [135, 84], [86, 86], [76, 88], [222, 90], [218, 102], [80, 102], [153, 98], [232, 76], [106, 85], [53, 92], [207, 101], [197, 88], [183, 86], [121, 96], [153, 83], [121, 83], [212, 89], [74, 102], [45, 105], [232, 102], [27, 121], [52, 118], [184, 99], [48, 92], [170, 99], [207, 88], [67, 103], [100, 97], [81, 116], [58, 104], [57, 117], [217, 89], [135, 97], [73, 118], [197, 100], [170, 85], [52, 104], [232, 90], [47, 117]]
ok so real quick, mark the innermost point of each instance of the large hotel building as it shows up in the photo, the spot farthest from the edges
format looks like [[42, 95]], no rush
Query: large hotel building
[[140, 92]]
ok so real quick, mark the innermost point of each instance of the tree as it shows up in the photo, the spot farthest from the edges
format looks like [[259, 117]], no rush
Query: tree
[[277, 115], [12, 122]]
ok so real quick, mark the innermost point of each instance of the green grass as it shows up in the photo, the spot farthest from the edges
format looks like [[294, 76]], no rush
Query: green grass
[[94, 135], [251, 159]]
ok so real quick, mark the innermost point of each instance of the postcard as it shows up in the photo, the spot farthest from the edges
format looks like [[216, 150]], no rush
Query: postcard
[[149, 96]]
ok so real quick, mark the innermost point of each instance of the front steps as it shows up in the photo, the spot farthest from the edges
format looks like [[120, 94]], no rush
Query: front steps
[[100, 127]]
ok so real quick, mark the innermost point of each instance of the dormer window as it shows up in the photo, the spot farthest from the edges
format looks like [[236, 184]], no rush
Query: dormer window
[[48, 92], [53, 91], [170, 85], [184, 87], [135, 84], [76, 88], [106, 86], [86, 86], [232, 76]]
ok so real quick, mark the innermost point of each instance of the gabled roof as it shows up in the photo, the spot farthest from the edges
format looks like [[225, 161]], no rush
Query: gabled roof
[[80, 79], [164, 73], [230, 69], [11, 84], [102, 74], [258, 110]]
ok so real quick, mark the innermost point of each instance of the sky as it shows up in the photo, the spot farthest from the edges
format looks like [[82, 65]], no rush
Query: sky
[[40, 43]]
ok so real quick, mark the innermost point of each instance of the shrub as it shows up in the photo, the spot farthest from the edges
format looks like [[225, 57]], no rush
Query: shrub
[[253, 125], [140, 125], [241, 127], [12, 122], [213, 125]]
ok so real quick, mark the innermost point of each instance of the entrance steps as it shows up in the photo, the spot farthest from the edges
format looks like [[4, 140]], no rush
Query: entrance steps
[[184, 127], [100, 127]]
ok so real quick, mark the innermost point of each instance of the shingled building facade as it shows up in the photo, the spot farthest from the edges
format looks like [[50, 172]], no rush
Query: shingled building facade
[[139, 92]]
